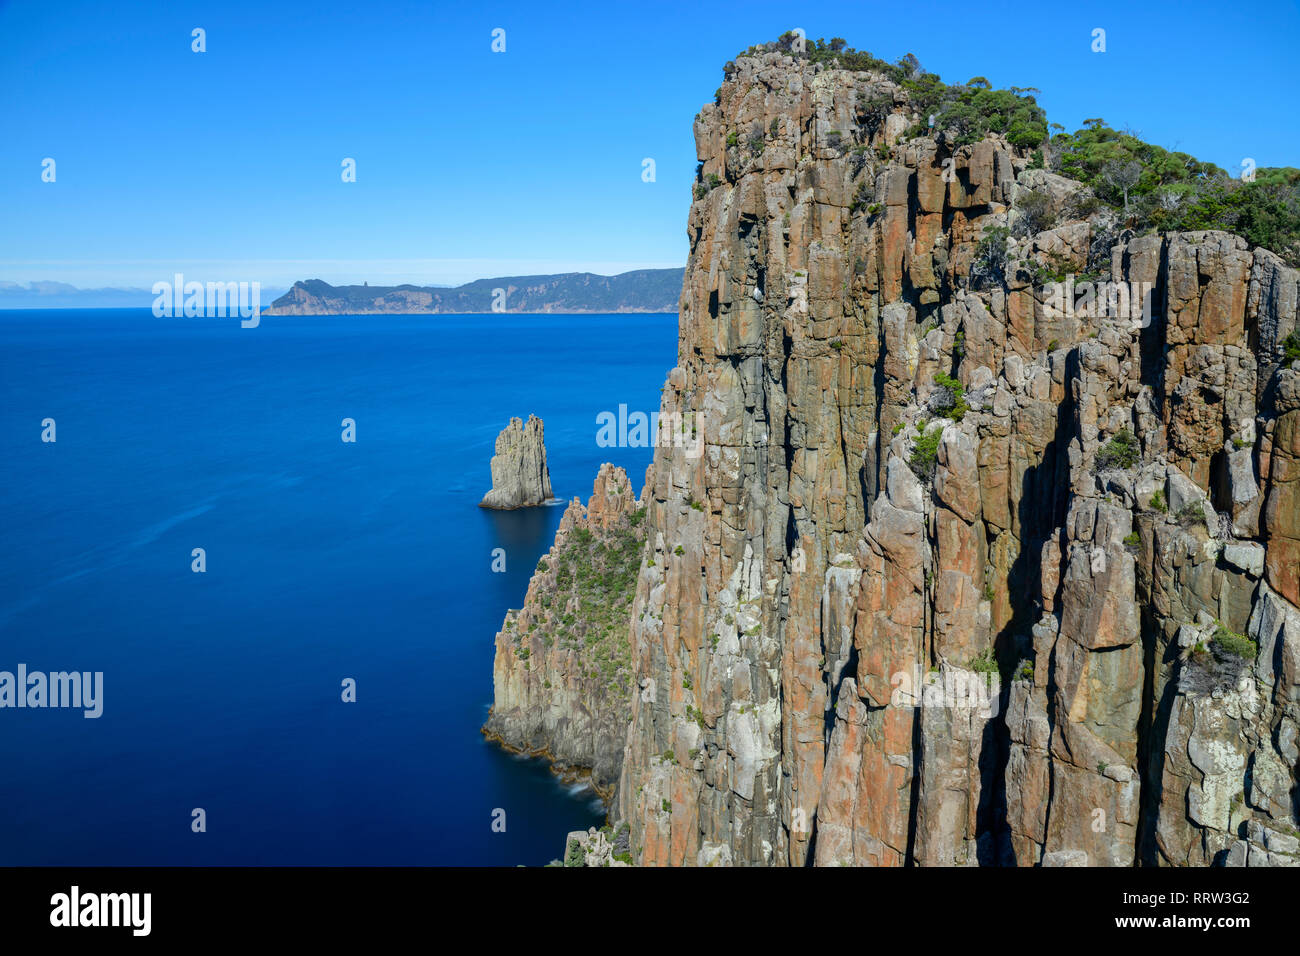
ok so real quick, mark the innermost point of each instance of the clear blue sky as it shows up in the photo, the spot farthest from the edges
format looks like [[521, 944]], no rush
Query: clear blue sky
[[226, 164]]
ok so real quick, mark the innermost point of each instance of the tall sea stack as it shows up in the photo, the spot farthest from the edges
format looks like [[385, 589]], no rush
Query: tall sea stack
[[519, 475]]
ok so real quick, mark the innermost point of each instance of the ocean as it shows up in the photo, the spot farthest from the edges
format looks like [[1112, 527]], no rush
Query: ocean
[[325, 561]]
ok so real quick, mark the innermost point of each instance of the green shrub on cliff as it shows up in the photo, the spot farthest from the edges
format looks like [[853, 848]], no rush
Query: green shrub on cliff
[[985, 663], [573, 855], [950, 397], [1291, 347], [990, 260], [1193, 513], [1121, 451], [1238, 645], [925, 451]]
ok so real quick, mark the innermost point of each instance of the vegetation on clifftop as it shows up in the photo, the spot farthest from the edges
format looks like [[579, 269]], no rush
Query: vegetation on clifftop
[[1174, 191], [973, 109], [1153, 189]]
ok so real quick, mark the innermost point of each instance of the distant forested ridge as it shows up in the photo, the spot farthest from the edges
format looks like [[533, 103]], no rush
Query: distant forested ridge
[[642, 290]]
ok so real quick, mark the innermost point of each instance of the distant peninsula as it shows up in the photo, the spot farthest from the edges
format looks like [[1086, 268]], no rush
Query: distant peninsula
[[643, 290]]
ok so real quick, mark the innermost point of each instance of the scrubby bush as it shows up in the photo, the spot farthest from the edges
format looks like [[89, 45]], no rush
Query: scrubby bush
[[1238, 645], [925, 453], [573, 854], [1037, 213], [1192, 513], [1291, 347], [985, 663], [949, 398], [1121, 451], [990, 260]]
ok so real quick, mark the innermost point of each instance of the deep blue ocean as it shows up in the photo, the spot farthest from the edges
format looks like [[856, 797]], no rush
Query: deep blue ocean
[[325, 560]]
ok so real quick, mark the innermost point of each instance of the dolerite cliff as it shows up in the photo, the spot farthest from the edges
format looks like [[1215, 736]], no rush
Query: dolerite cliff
[[958, 576], [1101, 523], [520, 477], [562, 673]]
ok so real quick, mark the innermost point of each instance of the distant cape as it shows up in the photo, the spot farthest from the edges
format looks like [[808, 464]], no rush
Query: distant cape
[[643, 290]]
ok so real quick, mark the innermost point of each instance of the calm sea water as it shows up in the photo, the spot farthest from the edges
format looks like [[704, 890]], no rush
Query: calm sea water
[[325, 561]]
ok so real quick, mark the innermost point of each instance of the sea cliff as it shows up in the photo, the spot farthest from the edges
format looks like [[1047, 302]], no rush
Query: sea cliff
[[969, 572]]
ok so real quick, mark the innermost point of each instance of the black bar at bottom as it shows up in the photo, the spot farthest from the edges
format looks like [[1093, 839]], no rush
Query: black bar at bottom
[[374, 904]]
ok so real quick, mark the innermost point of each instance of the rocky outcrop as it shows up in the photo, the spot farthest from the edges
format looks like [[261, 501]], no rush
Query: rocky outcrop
[[519, 474], [562, 672], [592, 847], [885, 620]]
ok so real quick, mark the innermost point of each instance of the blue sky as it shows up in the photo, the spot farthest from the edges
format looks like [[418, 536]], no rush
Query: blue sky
[[226, 164]]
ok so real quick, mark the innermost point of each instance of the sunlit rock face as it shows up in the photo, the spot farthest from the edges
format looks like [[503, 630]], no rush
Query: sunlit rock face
[[1045, 617]]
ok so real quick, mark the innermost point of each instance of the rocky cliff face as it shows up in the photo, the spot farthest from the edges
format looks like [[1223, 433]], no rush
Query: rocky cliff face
[[562, 673], [519, 474], [962, 577]]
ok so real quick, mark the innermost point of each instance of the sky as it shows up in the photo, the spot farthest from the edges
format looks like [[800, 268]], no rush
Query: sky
[[226, 165]]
